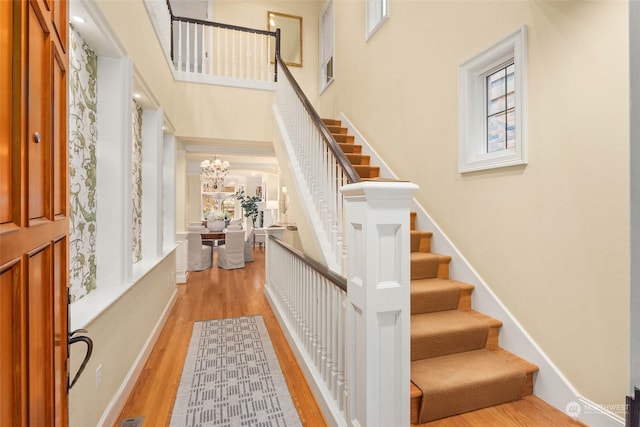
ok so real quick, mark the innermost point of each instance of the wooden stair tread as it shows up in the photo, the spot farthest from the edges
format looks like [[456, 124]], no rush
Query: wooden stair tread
[[337, 129], [425, 265], [350, 148], [332, 122], [420, 241], [469, 372], [358, 159], [431, 295], [447, 332], [343, 138], [528, 367], [366, 171]]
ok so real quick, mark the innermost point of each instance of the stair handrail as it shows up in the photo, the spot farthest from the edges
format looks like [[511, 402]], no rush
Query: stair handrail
[[330, 141], [338, 280], [275, 34]]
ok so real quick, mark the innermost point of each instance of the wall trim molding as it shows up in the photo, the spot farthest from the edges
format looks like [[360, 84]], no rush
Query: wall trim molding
[[117, 402], [550, 384]]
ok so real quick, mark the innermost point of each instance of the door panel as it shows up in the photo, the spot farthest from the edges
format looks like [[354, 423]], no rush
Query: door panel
[[60, 328], [10, 348], [40, 344], [60, 21], [36, 138], [6, 29], [58, 132]]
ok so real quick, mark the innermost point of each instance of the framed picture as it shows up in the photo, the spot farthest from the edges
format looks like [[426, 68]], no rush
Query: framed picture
[[290, 36]]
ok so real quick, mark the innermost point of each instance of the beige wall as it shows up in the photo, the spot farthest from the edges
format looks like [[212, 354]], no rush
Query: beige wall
[[119, 334], [551, 238]]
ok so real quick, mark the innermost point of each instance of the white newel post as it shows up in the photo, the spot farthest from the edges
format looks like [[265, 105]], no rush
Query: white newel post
[[278, 233], [378, 311]]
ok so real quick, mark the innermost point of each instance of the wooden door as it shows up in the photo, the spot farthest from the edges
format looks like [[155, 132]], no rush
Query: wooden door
[[33, 213]]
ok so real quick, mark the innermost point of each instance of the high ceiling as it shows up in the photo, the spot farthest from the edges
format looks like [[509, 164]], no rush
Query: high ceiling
[[246, 157]]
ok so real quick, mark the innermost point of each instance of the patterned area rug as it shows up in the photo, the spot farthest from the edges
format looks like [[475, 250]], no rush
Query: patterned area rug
[[231, 377]]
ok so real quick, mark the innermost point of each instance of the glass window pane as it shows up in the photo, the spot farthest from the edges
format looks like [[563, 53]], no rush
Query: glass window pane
[[511, 129], [496, 91], [511, 86], [496, 130]]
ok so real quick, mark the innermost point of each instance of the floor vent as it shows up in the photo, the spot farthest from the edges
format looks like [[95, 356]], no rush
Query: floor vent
[[131, 422]]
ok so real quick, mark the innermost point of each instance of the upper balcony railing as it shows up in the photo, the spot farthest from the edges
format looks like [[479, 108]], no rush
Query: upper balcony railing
[[205, 51]]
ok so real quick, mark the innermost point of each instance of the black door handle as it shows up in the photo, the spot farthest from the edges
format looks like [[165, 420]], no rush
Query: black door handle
[[87, 356]]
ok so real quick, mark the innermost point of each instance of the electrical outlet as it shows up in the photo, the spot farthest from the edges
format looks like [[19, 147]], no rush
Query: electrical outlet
[[98, 375]]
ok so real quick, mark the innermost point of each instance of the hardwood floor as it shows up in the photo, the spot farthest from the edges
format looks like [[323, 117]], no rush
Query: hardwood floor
[[212, 294], [216, 293]]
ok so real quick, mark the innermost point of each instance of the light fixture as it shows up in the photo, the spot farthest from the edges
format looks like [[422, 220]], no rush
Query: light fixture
[[78, 19], [137, 96], [212, 175]]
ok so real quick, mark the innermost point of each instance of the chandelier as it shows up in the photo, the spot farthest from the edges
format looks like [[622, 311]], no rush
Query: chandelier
[[212, 175]]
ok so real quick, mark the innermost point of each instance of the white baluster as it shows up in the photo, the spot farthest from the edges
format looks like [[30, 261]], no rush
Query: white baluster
[[179, 64], [196, 59]]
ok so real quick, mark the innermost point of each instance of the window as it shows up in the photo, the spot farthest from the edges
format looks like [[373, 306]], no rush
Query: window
[[501, 116], [492, 93], [376, 15], [326, 46]]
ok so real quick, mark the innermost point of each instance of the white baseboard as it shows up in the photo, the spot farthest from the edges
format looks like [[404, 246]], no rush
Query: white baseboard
[[332, 415], [117, 402], [550, 384]]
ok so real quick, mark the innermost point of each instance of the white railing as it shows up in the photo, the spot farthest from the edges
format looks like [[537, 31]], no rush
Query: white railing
[[321, 165], [214, 49], [353, 347], [310, 303]]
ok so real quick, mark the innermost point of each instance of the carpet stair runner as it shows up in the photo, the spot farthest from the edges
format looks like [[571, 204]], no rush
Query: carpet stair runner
[[353, 151], [457, 364]]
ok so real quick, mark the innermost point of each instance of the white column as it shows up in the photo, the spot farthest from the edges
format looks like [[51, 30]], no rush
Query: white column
[[378, 302], [113, 171], [152, 191]]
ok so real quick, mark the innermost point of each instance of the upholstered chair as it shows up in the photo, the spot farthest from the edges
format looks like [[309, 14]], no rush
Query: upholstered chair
[[231, 254], [199, 256]]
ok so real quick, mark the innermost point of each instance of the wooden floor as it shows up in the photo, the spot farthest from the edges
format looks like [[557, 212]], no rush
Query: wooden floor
[[212, 294], [216, 293]]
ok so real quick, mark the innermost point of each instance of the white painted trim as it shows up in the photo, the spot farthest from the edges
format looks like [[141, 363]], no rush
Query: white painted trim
[[472, 116], [117, 402], [191, 77], [550, 384], [322, 76], [332, 415], [85, 310], [368, 30]]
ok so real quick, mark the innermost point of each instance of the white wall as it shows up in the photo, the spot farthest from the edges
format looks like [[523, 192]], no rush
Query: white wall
[[550, 238]]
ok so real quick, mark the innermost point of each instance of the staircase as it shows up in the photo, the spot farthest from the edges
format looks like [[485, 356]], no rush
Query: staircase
[[457, 364]]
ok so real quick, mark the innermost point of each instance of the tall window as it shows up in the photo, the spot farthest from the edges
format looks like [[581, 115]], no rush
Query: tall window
[[492, 95], [326, 46], [376, 12]]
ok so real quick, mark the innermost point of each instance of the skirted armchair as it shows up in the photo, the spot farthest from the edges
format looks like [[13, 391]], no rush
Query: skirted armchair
[[199, 256], [231, 254]]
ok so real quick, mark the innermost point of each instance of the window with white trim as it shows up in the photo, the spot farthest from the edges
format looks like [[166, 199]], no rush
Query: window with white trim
[[492, 95], [376, 15], [326, 46]]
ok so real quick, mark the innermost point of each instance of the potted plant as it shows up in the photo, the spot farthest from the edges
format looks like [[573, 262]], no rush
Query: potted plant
[[216, 220], [249, 204]]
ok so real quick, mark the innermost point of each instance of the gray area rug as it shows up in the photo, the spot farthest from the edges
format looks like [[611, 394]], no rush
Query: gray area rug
[[231, 377]]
